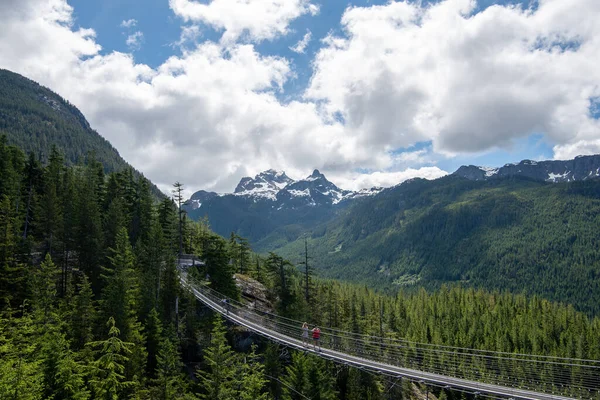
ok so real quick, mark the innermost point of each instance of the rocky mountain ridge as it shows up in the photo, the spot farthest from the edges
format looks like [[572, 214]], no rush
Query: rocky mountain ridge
[[282, 192], [578, 169]]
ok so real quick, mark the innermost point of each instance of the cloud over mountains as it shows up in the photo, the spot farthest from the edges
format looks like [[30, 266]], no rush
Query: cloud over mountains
[[397, 74]]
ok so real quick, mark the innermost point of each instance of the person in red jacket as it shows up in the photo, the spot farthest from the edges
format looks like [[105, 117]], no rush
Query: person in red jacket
[[316, 334]]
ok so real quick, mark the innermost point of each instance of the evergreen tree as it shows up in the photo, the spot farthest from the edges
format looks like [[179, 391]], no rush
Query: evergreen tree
[[281, 276], [88, 238], [82, 316], [51, 210], [108, 379], [167, 218], [152, 256], [20, 375], [308, 271], [43, 289], [218, 379], [178, 198], [120, 300], [169, 291], [11, 271], [121, 292], [154, 337], [63, 375], [218, 267], [170, 382], [321, 384], [253, 381], [32, 180], [296, 379], [273, 369]]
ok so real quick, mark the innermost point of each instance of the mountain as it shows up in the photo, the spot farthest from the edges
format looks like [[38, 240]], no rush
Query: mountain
[[579, 169], [35, 118], [266, 184], [511, 233], [272, 202]]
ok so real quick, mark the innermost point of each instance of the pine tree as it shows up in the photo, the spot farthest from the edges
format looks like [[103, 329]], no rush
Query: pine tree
[[170, 381], [151, 257], [253, 381], [63, 375], [120, 300], [244, 256], [121, 291], [43, 289], [20, 375], [51, 211], [83, 315], [169, 291], [67, 233], [218, 378], [12, 162], [154, 337], [307, 280], [296, 379], [108, 379], [178, 197], [167, 219], [273, 369], [88, 237], [31, 184], [281, 278], [321, 385], [11, 271], [218, 267]]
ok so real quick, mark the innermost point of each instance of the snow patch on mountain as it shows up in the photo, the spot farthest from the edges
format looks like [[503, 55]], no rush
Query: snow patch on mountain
[[299, 193], [489, 171], [558, 177], [196, 204]]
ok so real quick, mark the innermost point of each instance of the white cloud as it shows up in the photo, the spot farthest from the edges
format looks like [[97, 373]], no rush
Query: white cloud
[[386, 179], [257, 19], [403, 74], [189, 36], [300, 47], [130, 23], [134, 41]]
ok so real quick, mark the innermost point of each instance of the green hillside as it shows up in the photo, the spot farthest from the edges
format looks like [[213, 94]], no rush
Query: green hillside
[[509, 234], [34, 118]]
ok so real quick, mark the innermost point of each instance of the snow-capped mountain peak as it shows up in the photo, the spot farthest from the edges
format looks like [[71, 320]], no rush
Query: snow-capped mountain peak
[[315, 189], [266, 184], [276, 191]]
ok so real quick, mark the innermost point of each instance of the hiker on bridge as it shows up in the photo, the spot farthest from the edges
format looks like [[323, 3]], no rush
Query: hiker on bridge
[[305, 334], [226, 306], [316, 334]]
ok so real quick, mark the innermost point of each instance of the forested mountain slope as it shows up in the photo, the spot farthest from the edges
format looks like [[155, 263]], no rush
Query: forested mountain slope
[[511, 234], [35, 118]]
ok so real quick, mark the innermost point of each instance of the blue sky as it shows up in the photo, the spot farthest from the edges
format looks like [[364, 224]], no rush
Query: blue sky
[[161, 29], [405, 89]]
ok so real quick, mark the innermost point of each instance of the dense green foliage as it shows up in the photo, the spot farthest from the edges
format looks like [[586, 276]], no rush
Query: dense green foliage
[[35, 118], [507, 234]]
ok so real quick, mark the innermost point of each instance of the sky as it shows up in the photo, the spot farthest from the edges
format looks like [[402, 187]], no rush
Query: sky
[[369, 92]]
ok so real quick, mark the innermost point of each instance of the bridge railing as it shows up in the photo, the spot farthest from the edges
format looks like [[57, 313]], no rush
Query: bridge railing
[[568, 377]]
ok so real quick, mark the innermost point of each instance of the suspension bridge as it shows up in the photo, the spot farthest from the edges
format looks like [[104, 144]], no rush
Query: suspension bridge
[[478, 372]]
